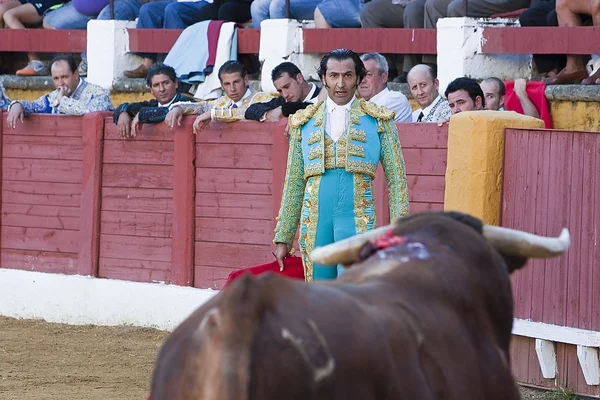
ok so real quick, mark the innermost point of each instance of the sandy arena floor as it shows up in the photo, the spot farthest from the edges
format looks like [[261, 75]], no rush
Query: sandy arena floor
[[44, 361]]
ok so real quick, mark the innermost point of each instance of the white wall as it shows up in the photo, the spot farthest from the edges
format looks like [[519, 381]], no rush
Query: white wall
[[79, 300]]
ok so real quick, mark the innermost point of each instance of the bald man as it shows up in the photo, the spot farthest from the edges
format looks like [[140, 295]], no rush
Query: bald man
[[424, 87]]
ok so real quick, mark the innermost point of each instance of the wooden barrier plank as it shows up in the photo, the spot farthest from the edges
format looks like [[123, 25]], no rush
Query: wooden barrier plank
[[150, 132], [136, 224], [422, 135], [234, 230], [424, 188], [43, 147], [53, 240], [208, 277], [32, 170], [234, 155], [230, 255], [42, 193], [541, 40], [134, 199], [227, 205], [2, 119], [184, 191], [133, 270], [362, 40], [596, 260], [138, 152], [40, 261], [162, 40], [416, 207], [48, 125], [243, 132], [135, 247], [44, 40], [39, 216], [141, 176], [243, 181], [93, 129], [425, 161]]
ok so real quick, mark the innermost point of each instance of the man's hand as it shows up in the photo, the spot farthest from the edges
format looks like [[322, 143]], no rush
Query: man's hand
[[286, 132], [282, 251], [441, 122], [174, 117], [274, 115], [62, 91], [136, 125], [15, 114], [201, 122], [520, 86], [124, 125]]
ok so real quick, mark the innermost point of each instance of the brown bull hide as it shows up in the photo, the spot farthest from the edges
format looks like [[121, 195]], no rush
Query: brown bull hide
[[427, 319]]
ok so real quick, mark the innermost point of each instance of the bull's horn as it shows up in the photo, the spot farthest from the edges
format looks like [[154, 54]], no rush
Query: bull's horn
[[518, 243], [346, 251]]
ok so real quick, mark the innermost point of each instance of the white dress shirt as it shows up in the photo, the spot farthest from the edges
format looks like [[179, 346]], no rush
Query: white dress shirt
[[395, 101], [309, 97], [337, 118]]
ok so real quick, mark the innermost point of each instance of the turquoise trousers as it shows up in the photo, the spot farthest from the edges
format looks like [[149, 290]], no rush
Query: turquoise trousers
[[337, 205]]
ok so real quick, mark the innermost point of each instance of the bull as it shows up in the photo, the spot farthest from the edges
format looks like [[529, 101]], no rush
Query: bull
[[425, 311]]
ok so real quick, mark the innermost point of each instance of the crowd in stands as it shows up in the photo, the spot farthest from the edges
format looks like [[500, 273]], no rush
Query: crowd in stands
[[180, 14]]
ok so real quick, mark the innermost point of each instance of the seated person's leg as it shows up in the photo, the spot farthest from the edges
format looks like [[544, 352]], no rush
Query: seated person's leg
[[125, 10], [235, 11], [260, 12], [484, 8], [66, 17], [152, 15], [17, 18], [382, 14], [338, 13], [5, 7], [182, 15], [299, 9]]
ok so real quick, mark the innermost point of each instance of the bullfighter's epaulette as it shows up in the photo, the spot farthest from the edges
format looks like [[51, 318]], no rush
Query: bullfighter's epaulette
[[301, 117], [376, 111]]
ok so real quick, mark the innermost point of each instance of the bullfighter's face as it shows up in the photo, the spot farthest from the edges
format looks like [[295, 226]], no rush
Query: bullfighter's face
[[163, 88], [340, 80], [234, 85]]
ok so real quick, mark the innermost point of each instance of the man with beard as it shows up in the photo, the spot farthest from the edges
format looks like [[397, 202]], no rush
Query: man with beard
[[334, 151], [73, 95]]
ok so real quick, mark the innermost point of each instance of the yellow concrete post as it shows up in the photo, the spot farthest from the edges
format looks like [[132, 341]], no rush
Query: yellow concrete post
[[475, 160]]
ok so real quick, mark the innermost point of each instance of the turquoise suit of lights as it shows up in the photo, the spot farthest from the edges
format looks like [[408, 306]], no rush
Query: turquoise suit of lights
[[328, 185]]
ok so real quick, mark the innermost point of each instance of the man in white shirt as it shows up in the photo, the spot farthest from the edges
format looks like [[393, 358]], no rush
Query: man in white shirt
[[374, 88], [424, 87]]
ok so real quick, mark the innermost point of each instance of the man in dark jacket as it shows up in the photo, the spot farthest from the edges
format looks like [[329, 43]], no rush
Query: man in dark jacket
[[163, 85], [295, 94]]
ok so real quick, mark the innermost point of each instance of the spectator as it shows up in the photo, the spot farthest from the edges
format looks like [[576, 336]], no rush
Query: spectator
[[70, 17], [180, 14], [543, 13], [73, 95], [464, 94], [494, 92], [17, 14], [294, 94], [424, 87], [326, 13], [395, 14], [230, 107], [374, 88], [4, 100], [163, 85]]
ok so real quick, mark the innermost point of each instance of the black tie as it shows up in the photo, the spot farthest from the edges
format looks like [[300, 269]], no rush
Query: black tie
[[420, 117]]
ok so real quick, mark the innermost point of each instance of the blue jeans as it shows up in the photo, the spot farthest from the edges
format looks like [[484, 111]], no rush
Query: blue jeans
[[341, 13], [174, 15], [275, 9], [125, 10], [67, 17]]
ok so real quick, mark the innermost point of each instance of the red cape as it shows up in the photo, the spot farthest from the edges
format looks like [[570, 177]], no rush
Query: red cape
[[293, 269], [536, 92]]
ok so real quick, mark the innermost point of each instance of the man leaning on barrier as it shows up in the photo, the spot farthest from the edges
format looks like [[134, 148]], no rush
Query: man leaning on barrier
[[73, 95]]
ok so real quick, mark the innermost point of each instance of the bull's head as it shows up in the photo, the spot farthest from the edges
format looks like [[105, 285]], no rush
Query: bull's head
[[509, 242]]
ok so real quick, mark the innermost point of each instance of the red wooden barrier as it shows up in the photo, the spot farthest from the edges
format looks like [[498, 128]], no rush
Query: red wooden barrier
[[42, 167], [166, 206], [43, 40], [551, 181]]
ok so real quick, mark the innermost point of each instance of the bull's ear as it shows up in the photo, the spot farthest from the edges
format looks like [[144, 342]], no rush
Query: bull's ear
[[514, 263]]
